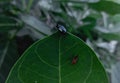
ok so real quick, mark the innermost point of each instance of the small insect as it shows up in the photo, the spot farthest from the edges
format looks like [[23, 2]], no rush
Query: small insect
[[61, 28], [75, 59]]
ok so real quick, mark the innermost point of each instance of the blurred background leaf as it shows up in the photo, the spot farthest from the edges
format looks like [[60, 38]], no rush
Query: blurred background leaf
[[106, 6], [8, 56], [7, 23]]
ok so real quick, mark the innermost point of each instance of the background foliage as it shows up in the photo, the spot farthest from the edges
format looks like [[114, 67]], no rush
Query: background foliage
[[22, 22]]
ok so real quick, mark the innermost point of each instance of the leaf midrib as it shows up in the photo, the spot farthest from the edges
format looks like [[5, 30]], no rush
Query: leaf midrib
[[59, 63]]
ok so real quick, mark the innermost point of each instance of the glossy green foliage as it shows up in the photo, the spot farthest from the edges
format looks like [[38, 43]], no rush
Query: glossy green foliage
[[50, 61]]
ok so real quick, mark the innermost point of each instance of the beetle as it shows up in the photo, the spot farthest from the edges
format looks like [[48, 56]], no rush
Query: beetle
[[61, 28], [75, 59]]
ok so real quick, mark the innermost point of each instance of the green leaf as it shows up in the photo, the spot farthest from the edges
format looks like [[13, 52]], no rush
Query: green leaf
[[116, 18], [116, 1], [106, 6], [7, 23], [29, 5], [36, 24], [111, 36], [90, 23], [77, 7], [50, 61], [5, 0]]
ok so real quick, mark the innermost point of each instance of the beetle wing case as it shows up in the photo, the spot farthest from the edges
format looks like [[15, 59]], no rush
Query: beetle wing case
[[61, 28]]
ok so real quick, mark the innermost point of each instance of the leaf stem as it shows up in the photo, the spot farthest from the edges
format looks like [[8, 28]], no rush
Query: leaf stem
[[39, 31], [24, 4], [29, 6], [4, 53]]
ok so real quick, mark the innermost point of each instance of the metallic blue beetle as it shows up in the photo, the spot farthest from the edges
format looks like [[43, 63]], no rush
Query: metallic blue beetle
[[61, 28]]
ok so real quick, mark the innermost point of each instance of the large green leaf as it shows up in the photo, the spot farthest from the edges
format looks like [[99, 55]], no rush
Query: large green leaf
[[50, 61]]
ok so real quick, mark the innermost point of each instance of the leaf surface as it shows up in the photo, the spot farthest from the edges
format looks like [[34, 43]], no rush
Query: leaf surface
[[106, 6], [50, 61]]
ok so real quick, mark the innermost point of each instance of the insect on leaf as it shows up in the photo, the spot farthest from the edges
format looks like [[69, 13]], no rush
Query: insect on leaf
[[49, 61]]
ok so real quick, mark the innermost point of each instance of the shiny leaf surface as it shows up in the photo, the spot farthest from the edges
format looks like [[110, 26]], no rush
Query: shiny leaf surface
[[50, 61]]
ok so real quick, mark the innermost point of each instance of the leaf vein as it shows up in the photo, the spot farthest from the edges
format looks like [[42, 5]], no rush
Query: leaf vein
[[44, 60], [40, 74], [90, 68], [59, 62]]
